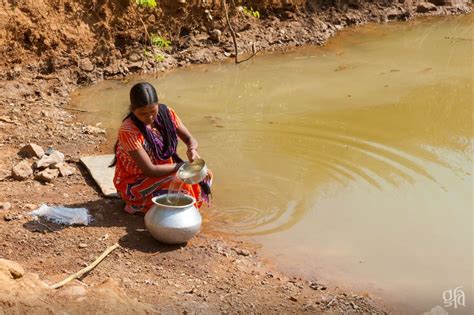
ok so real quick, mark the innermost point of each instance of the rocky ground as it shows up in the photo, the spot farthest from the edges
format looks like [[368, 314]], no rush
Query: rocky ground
[[49, 48]]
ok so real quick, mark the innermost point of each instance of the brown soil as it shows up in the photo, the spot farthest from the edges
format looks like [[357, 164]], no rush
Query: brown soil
[[49, 48]]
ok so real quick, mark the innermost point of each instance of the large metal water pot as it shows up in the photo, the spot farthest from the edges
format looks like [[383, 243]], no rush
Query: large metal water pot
[[174, 222]]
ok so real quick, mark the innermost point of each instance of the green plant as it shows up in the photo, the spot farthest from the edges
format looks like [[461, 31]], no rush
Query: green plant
[[160, 41], [159, 57], [147, 53], [251, 12], [156, 57], [146, 3]]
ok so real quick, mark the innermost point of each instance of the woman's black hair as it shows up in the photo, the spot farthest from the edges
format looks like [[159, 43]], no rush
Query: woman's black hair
[[141, 94]]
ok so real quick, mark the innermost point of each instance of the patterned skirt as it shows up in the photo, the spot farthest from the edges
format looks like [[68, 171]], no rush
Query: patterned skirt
[[138, 193]]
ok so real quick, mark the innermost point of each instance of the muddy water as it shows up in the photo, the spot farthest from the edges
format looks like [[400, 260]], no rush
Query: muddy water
[[350, 163]]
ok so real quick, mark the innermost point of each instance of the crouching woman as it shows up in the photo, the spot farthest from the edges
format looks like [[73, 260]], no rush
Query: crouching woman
[[146, 160]]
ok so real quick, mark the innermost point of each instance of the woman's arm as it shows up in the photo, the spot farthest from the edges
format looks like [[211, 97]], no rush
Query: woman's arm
[[191, 142], [148, 168]]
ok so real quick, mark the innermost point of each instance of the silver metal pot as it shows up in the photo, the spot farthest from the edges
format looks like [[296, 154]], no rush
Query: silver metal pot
[[174, 223], [193, 172]]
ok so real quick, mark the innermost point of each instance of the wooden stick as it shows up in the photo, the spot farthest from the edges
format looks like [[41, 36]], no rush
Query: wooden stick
[[86, 269], [232, 33]]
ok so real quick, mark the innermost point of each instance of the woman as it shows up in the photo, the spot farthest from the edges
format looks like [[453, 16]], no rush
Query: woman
[[145, 153]]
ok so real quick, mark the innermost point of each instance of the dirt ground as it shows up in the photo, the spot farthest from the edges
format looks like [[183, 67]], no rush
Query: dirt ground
[[50, 48]]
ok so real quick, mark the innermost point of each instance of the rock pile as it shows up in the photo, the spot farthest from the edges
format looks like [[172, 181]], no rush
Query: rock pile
[[45, 166]]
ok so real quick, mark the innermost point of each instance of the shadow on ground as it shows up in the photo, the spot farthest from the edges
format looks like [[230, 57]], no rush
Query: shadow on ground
[[108, 213]]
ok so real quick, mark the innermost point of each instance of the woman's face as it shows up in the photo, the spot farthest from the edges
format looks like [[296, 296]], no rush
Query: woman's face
[[146, 114]]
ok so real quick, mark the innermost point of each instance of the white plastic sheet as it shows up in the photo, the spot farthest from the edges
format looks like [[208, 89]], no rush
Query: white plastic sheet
[[63, 215]]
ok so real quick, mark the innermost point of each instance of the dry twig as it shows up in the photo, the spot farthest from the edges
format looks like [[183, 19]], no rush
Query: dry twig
[[234, 39], [85, 270]]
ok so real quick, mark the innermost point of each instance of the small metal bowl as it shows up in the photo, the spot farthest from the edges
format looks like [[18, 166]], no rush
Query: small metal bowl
[[193, 172]]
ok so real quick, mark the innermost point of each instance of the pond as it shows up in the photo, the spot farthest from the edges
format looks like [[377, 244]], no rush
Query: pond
[[349, 163]]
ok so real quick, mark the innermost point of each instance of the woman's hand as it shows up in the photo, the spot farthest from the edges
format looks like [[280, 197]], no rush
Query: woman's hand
[[192, 154]]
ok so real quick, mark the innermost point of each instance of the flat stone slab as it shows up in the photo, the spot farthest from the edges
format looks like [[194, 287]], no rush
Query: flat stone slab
[[103, 175]]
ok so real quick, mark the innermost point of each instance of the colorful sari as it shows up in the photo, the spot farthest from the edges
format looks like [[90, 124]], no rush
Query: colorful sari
[[135, 188]]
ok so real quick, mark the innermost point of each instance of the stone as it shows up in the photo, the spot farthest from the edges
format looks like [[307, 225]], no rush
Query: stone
[[134, 57], [7, 119], [98, 167], [54, 158], [83, 245], [426, 7], [215, 35], [91, 130], [64, 169], [22, 170], [152, 19], [134, 66], [5, 206], [393, 14], [86, 65], [317, 286], [242, 252], [15, 270], [10, 217], [30, 206], [32, 150], [112, 69], [47, 175]]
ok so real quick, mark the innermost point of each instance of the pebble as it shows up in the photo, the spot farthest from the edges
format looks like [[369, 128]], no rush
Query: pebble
[[48, 175], [65, 169], [30, 206], [32, 150], [242, 252], [16, 270], [11, 217], [22, 170], [54, 158], [82, 245], [5, 205], [91, 130], [215, 35], [86, 65]]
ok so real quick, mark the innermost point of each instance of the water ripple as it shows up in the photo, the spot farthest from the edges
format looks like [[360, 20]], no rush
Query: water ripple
[[248, 220], [375, 160]]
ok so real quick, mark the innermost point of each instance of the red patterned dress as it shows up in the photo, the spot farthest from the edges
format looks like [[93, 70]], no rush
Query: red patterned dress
[[135, 188]]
